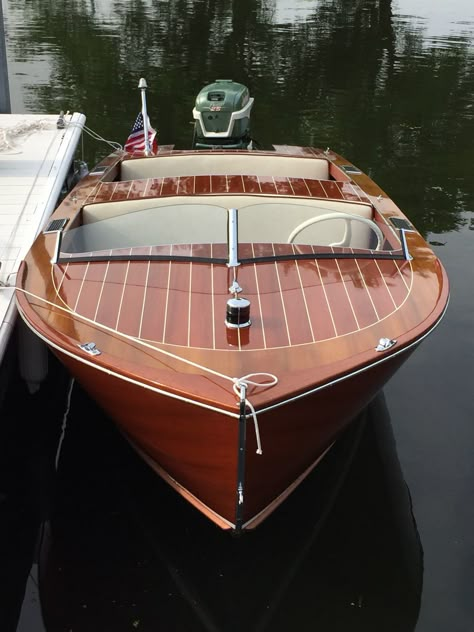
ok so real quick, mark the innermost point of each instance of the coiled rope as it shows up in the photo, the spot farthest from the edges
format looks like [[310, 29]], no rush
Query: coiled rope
[[10, 136]]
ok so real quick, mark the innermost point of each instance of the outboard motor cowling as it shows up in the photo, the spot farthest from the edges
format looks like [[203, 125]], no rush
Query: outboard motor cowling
[[222, 116]]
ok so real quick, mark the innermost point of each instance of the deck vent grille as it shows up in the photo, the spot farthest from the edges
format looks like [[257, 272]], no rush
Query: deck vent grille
[[400, 222], [351, 169], [55, 225], [97, 171]]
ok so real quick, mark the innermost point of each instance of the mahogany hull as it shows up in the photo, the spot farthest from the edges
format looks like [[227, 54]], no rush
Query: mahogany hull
[[196, 450], [330, 323]]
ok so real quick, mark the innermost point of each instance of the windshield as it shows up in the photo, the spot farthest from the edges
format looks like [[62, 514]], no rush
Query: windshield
[[187, 230]]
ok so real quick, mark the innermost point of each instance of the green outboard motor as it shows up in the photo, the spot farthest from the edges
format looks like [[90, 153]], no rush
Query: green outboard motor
[[222, 116]]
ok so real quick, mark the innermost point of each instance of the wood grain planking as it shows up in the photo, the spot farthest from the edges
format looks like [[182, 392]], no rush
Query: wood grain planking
[[71, 284], [130, 314], [397, 275], [267, 185], [363, 197], [91, 290], [201, 327], [338, 301], [299, 187], [186, 185], [316, 301], [348, 192], [170, 186], [153, 318], [228, 184], [259, 301], [122, 191], [315, 188], [274, 318], [219, 184], [110, 298], [137, 190], [154, 187], [372, 276], [202, 185], [358, 294], [305, 306], [235, 184], [248, 282], [177, 311], [283, 186], [297, 316], [101, 189], [222, 278], [332, 190], [251, 184], [406, 272]]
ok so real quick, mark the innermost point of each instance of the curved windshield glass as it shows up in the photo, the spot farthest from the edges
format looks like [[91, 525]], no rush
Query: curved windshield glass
[[151, 226], [188, 230]]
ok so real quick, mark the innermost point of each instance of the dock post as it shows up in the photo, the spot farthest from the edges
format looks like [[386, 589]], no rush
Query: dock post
[[5, 106]]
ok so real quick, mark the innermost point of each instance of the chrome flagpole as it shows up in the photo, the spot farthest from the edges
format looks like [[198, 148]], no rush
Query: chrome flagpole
[[143, 86]]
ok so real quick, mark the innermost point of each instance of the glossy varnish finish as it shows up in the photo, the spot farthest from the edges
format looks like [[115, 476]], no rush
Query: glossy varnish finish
[[227, 184], [167, 359], [183, 304]]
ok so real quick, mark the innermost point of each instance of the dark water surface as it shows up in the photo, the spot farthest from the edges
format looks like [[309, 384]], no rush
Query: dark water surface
[[389, 84]]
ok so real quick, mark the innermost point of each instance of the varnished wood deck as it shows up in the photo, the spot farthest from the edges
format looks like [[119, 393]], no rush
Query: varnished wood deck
[[292, 302], [226, 184]]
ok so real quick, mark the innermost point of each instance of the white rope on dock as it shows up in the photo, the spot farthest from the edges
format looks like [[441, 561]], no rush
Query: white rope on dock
[[11, 136]]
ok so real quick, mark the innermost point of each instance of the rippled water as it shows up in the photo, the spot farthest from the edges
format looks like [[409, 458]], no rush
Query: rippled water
[[390, 85]]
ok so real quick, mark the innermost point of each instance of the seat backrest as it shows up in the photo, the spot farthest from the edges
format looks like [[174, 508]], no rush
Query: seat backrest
[[201, 164]]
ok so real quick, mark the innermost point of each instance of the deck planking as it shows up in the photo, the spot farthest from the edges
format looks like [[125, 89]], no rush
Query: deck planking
[[227, 184], [146, 299]]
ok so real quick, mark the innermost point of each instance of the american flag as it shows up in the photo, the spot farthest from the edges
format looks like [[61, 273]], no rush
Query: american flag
[[136, 139]]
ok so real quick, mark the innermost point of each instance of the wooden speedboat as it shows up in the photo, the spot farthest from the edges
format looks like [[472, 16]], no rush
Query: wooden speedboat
[[231, 309]]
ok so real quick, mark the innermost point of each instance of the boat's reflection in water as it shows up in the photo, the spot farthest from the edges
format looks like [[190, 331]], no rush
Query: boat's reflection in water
[[122, 551]]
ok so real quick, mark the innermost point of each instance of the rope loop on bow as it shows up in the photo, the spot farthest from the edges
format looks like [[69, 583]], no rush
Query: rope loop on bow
[[240, 385]]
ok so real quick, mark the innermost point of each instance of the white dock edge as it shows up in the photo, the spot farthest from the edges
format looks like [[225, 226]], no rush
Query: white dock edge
[[35, 157]]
